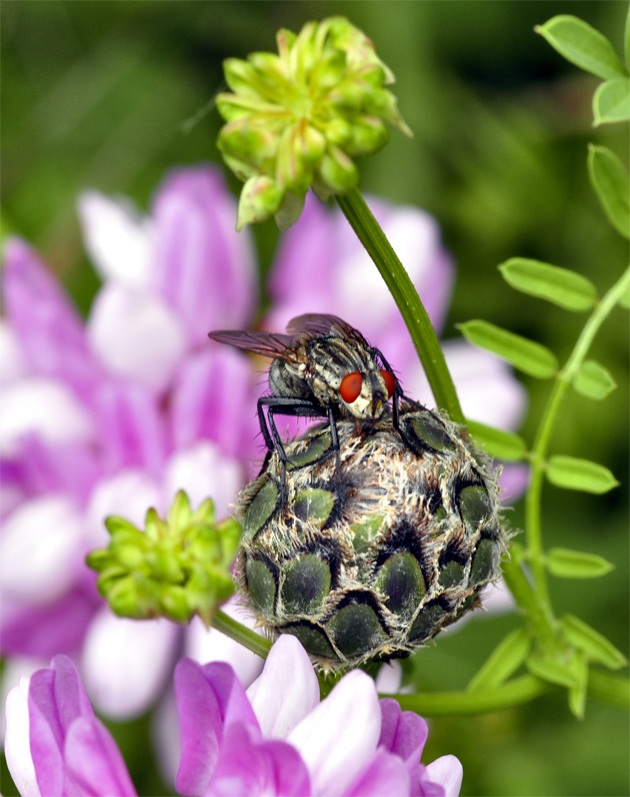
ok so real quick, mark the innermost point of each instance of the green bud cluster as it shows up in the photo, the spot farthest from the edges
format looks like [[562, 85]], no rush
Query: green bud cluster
[[174, 568], [296, 119]]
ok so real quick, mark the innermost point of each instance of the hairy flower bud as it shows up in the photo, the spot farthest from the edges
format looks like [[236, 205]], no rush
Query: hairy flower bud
[[175, 568], [295, 120]]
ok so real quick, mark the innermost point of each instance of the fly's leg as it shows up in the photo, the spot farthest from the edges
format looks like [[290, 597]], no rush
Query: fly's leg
[[334, 437], [284, 405]]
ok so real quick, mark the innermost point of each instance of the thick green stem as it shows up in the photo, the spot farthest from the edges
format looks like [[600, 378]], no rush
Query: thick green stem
[[406, 297], [541, 444], [235, 630]]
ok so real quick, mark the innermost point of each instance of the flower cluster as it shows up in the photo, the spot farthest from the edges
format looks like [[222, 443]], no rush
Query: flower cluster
[[275, 739], [298, 118]]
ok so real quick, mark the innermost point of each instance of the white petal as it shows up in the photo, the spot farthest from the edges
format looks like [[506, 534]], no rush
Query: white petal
[[202, 471], [44, 407], [136, 335], [389, 678], [287, 691], [12, 363], [14, 670], [126, 663], [497, 598], [41, 549], [116, 237], [204, 645], [17, 746], [448, 772], [130, 493], [340, 735]]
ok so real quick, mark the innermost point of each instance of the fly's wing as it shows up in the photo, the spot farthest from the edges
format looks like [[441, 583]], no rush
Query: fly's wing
[[313, 325], [268, 344]]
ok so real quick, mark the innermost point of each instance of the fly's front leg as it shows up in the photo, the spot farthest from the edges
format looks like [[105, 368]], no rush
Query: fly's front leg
[[284, 405], [334, 437]]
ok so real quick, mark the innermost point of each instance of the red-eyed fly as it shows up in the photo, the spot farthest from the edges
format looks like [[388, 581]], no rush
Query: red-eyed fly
[[321, 367]]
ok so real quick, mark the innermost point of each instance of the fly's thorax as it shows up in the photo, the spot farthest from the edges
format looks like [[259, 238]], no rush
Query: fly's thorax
[[289, 379]]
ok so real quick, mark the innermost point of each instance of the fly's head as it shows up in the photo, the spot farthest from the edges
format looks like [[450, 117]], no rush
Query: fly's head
[[349, 374]]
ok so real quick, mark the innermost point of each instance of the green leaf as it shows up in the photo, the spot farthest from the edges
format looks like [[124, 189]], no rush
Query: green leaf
[[611, 102], [580, 474], [505, 659], [593, 380], [565, 563], [561, 286], [527, 356], [552, 670], [626, 40], [624, 301], [596, 646], [581, 44], [610, 181], [577, 693], [497, 442]]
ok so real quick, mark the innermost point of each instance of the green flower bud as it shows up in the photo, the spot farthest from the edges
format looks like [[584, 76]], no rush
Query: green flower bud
[[174, 568], [295, 120]]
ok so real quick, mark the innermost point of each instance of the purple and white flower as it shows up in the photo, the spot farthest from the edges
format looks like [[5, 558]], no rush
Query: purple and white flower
[[275, 739], [115, 415]]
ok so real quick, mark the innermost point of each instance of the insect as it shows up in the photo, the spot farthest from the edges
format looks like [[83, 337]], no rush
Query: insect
[[321, 367]]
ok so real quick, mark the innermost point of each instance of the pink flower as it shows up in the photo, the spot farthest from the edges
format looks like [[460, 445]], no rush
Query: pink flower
[[276, 739], [115, 415]]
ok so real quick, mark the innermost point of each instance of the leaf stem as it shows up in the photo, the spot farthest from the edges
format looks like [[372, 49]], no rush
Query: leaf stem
[[541, 443], [406, 297], [237, 631]]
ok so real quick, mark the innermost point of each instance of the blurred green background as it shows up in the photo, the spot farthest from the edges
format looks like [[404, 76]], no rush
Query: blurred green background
[[98, 94]]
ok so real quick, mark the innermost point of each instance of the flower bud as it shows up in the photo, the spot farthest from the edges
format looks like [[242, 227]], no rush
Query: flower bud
[[295, 120], [175, 568]]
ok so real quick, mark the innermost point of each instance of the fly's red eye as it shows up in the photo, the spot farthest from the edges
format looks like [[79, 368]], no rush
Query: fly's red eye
[[351, 387], [390, 382]]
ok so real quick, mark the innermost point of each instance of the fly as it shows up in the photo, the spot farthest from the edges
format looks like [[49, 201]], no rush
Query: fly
[[322, 367]]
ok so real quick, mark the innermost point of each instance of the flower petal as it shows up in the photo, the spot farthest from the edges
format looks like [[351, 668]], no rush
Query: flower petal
[[214, 399], [41, 406], [116, 237], [403, 733], [203, 471], [127, 662], [12, 363], [208, 698], [207, 644], [203, 269], [41, 549], [448, 772], [48, 328], [250, 766], [17, 747], [340, 735], [94, 761], [389, 678], [287, 691], [386, 774], [135, 335]]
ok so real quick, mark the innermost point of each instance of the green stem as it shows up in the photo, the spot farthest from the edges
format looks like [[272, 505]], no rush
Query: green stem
[[513, 693], [237, 631], [541, 443], [607, 688], [406, 297]]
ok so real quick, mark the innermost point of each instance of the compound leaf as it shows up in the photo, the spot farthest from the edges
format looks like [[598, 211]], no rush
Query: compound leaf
[[611, 102], [561, 286], [580, 474], [505, 659], [565, 563], [527, 356], [587, 639], [593, 380], [610, 181], [497, 442]]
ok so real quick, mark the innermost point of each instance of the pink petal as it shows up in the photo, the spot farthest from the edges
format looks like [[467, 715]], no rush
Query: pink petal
[[448, 772], [126, 663], [385, 775], [250, 766], [17, 747], [513, 481], [94, 761], [116, 237], [12, 363], [339, 737], [48, 328], [40, 549], [135, 335], [403, 733], [215, 399], [287, 691], [45, 407], [209, 699], [389, 678], [205, 645], [203, 268], [203, 471]]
